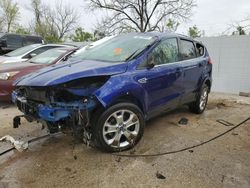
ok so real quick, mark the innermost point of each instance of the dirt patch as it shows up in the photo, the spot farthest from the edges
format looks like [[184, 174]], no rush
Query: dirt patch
[[58, 162]]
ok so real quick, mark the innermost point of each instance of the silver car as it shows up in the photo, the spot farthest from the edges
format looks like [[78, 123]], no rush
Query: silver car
[[27, 52]]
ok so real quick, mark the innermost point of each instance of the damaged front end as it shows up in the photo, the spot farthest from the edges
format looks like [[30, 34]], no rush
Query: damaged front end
[[65, 106]]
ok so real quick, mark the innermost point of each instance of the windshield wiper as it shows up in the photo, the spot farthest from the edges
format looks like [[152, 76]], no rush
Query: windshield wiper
[[130, 57]]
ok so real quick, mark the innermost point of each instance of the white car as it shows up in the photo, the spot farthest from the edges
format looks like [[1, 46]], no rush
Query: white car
[[27, 52]]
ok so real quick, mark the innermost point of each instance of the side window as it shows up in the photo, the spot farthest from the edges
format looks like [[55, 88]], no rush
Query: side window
[[39, 50], [14, 41], [165, 52], [200, 50], [31, 40], [187, 50]]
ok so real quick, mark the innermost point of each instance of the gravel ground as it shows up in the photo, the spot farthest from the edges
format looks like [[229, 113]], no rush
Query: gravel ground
[[57, 161]]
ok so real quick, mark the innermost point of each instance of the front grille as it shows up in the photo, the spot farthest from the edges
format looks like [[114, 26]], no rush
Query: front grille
[[27, 108]]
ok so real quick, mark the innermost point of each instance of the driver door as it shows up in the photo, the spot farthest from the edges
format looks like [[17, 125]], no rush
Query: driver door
[[163, 82]]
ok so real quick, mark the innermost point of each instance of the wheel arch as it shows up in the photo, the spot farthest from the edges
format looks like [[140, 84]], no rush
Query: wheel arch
[[208, 83], [118, 90]]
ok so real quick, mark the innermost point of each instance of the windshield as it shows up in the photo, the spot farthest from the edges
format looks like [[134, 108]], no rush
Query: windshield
[[22, 51], [48, 56], [117, 49], [77, 55]]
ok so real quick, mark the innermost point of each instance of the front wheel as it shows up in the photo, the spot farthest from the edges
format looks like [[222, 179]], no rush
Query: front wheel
[[119, 128], [200, 104]]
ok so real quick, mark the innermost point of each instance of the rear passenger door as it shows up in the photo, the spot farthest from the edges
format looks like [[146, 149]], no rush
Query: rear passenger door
[[192, 69]]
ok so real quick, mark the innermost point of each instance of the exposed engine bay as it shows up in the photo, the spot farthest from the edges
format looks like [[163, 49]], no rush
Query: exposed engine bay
[[68, 106]]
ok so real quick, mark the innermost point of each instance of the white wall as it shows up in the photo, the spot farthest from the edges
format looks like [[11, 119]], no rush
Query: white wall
[[231, 62]]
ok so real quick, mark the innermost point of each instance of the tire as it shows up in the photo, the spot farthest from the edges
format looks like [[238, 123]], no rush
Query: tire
[[118, 128], [200, 104]]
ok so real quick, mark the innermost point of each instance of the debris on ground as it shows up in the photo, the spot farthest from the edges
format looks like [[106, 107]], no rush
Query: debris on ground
[[224, 122], [75, 157], [6, 106], [221, 105], [183, 121], [235, 134], [118, 159], [160, 176], [244, 94], [132, 151], [191, 151], [19, 145], [244, 102], [68, 169]]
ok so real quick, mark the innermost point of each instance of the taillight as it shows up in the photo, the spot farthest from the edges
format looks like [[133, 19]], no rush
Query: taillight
[[210, 61]]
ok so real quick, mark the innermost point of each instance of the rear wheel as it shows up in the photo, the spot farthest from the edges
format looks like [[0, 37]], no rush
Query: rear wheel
[[118, 128], [200, 104]]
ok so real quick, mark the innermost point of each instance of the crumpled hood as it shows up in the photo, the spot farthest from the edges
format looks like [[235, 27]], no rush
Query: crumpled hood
[[65, 72]]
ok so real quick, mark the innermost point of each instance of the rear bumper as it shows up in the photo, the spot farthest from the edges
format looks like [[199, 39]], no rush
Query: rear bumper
[[6, 89]]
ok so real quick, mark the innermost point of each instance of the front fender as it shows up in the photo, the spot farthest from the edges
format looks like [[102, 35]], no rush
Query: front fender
[[118, 86]]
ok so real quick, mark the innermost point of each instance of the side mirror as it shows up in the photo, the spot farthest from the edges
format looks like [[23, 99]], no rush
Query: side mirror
[[151, 62], [3, 43], [32, 55]]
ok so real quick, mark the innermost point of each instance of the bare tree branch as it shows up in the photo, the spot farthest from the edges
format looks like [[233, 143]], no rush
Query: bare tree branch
[[9, 12], [142, 15]]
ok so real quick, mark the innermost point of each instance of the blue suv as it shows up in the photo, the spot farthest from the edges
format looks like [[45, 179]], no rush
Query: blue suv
[[106, 96]]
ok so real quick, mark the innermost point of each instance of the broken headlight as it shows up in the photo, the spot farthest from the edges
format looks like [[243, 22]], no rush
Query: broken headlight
[[78, 89]]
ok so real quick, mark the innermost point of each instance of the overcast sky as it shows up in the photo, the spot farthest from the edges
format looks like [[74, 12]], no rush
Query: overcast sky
[[212, 16]]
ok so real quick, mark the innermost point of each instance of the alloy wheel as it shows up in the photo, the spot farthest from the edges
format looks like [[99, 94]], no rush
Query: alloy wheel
[[121, 128]]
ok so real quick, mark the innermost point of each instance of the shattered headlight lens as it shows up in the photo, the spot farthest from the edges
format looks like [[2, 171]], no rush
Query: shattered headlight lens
[[7, 75]]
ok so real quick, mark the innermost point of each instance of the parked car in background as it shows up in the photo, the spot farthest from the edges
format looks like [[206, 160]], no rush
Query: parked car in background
[[11, 71], [10, 42], [118, 85], [27, 52]]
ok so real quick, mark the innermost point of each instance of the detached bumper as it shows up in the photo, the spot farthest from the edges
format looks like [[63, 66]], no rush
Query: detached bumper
[[53, 112]]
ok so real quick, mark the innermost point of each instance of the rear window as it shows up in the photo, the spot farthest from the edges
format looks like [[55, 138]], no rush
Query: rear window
[[200, 50], [187, 50]]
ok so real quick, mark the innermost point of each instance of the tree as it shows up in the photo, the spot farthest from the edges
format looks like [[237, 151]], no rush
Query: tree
[[22, 30], [53, 24], [38, 10], [141, 15], [65, 18], [172, 25], [239, 31], [10, 12], [80, 35], [98, 35], [194, 32]]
